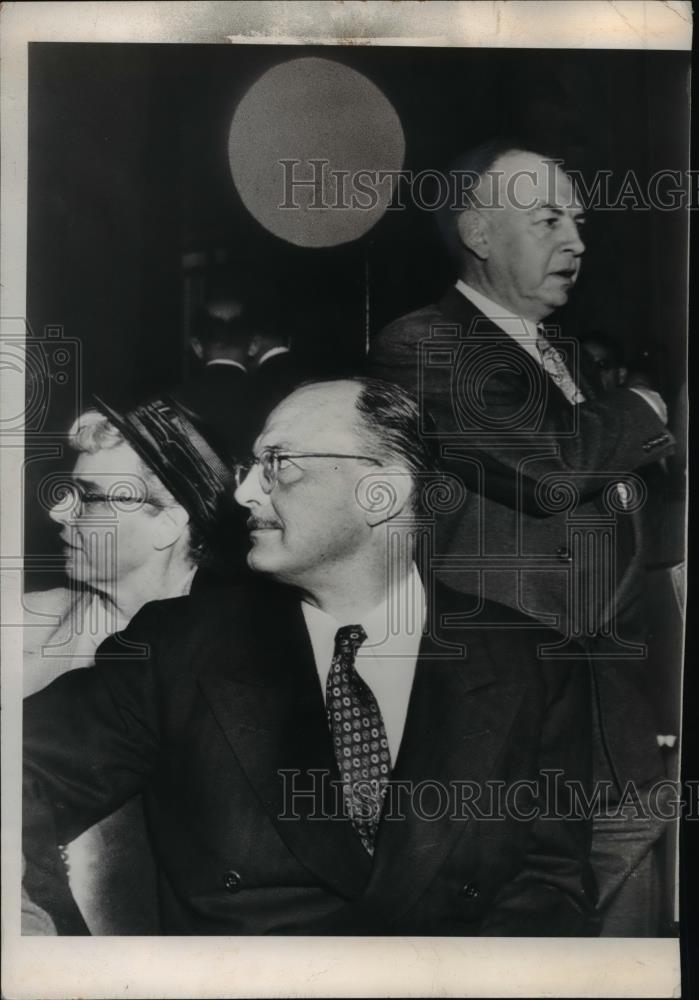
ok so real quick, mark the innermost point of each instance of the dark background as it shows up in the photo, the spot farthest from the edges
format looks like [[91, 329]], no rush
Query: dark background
[[128, 173], [131, 201]]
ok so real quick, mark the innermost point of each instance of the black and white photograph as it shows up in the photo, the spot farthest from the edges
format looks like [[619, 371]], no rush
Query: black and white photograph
[[344, 443]]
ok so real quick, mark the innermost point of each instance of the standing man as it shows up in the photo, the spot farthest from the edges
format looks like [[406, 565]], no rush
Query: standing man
[[329, 752], [551, 525]]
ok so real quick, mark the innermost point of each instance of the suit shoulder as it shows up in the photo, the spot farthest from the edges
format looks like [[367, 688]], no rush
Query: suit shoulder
[[210, 610], [479, 611], [206, 604], [509, 634], [415, 321]]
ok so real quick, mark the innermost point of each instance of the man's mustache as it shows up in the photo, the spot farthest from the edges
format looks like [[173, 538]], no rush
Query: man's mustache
[[253, 523]]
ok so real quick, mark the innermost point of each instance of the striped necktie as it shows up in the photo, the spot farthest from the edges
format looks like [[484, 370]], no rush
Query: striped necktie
[[555, 366]]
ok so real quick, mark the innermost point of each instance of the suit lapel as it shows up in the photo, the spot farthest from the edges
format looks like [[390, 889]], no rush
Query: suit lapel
[[460, 310], [270, 707], [458, 719], [264, 692], [457, 309]]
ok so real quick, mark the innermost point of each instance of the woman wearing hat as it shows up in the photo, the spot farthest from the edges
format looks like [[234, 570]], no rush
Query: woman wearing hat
[[148, 501]]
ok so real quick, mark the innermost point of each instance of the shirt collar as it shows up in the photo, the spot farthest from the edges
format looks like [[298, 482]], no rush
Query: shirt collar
[[514, 326], [226, 361], [406, 600], [272, 353]]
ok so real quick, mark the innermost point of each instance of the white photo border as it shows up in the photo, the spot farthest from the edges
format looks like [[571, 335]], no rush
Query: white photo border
[[281, 967]]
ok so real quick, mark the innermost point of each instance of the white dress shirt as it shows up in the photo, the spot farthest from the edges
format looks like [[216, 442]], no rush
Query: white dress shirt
[[526, 333], [226, 361], [272, 353], [387, 658]]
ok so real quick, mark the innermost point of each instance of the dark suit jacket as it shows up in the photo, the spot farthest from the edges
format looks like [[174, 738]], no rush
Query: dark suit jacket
[[530, 460], [223, 706], [538, 472]]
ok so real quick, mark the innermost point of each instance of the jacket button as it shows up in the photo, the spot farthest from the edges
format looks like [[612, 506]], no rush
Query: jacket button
[[564, 554], [231, 881], [470, 890]]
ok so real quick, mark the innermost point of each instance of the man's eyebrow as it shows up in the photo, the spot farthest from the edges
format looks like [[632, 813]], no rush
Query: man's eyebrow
[[546, 206]]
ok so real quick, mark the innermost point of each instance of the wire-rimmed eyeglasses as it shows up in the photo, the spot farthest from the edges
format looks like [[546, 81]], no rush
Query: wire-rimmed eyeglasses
[[76, 496], [270, 462]]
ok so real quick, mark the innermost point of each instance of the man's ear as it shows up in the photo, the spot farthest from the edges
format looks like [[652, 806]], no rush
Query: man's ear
[[385, 494], [197, 347], [622, 376], [472, 228], [168, 526]]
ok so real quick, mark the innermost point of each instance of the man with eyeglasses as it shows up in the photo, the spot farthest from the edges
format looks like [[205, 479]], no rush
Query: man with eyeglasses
[[339, 749], [143, 507]]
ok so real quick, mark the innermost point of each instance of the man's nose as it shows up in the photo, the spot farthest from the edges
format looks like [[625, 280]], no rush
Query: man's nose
[[250, 490], [573, 240]]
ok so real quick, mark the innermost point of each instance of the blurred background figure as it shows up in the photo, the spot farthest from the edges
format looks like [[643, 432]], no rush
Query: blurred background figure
[[660, 600], [148, 501], [275, 372], [245, 368], [219, 392], [606, 354]]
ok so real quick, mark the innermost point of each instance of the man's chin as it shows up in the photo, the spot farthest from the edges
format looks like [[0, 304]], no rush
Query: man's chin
[[261, 561], [559, 293]]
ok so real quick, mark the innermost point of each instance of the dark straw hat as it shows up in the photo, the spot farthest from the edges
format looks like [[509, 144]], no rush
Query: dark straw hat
[[182, 452]]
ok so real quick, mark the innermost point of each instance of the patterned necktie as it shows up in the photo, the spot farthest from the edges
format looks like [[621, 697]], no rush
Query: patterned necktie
[[359, 736], [555, 366]]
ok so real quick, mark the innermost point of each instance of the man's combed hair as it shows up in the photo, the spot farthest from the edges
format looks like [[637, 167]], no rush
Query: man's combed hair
[[464, 174], [390, 426]]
